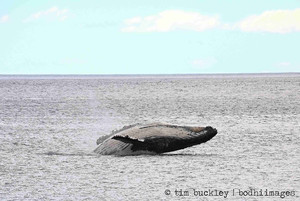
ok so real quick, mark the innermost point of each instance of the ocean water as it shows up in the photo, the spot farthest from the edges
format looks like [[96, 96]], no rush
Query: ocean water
[[49, 126]]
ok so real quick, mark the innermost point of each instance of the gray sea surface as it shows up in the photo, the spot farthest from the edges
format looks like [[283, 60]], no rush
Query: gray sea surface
[[49, 126]]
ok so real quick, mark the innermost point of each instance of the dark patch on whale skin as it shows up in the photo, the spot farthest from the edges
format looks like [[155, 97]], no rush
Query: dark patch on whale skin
[[162, 144]]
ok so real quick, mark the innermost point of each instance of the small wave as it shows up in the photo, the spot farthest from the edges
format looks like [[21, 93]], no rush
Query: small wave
[[168, 155], [190, 154], [54, 153]]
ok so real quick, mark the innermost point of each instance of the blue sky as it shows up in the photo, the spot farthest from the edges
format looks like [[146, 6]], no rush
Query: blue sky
[[149, 37]]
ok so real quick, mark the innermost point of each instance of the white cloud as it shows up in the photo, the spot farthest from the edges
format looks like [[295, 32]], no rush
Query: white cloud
[[72, 61], [277, 21], [287, 66], [4, 19], [284, 64], [170, 20], [53, 13], [134, 20], [203, 63], [274, 21]]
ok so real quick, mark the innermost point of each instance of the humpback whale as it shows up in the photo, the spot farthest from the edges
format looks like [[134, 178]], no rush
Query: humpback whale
[[153, 138]]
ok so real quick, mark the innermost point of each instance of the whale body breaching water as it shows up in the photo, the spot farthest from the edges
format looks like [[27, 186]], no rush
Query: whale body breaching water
[[153, 138]]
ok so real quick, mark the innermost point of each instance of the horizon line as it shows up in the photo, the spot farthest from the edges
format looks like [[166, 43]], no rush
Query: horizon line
[[140, 74]]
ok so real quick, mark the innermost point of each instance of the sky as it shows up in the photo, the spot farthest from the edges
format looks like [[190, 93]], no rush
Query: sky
[[149, 37]]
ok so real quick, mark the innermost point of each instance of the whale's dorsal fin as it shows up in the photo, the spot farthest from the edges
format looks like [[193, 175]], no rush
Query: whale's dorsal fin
[[127, 139]]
